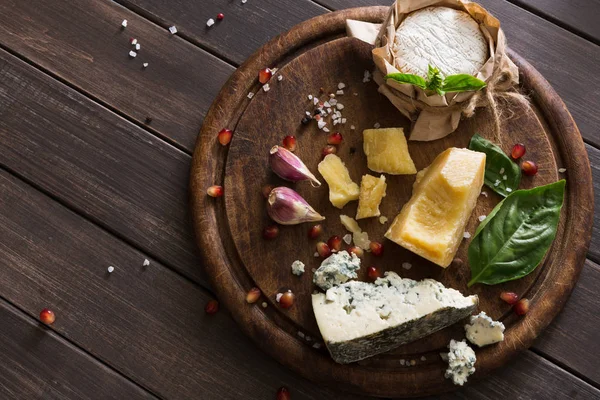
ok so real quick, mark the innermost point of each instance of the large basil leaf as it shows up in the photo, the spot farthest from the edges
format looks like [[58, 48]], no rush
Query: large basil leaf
[[497, 166], [462, 83], [516, 235], [408, 78]]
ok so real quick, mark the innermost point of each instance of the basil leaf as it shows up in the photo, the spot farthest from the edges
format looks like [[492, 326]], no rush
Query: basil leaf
[[408, 78], [462, 83], [513, 239], [497, 166]]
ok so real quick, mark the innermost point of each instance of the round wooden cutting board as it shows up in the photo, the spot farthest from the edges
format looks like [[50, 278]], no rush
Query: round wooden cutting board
[[313, 55]]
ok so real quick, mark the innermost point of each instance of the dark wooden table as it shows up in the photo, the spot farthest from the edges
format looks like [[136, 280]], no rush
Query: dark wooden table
[[95, 153]]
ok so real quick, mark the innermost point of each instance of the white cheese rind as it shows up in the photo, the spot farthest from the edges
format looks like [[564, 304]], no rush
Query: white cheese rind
[[443, 37], [359, 320], [482, 330], [336, 269], [461, 362], [298, 267]]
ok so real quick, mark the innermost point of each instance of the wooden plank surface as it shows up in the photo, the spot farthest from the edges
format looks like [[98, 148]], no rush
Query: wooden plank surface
[[38, 364], [82, 43], [594, 155]]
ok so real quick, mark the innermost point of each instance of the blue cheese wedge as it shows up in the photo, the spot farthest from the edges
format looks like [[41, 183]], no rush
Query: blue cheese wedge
[[461, 362], [482, 330], [336, 269], [359, 319], [298, 267]]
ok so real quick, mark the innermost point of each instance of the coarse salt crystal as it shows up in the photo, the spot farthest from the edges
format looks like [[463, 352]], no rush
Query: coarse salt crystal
[[377, 125], [340, 92], [244, 1], [504, 177], [352, 127], [501, 170], [317, 345], [111, 269], [301, 334], [339, 106], [508, 190], [310, 96], [124, 23], [496, 183], [341, 85], [466, 235], [251, 95], [146, 262], [326, 130], [308, 338], [402, 362], [316, 255], [482, 217], [327, 105], [279, 77], [484, 194], [133, 42], [366, 76], [329, 110], [173, 30], [347, 238], [343, 120], [307, 113], [210, 22], [278, 297], [132, 54], [321, 124], [335, 122], [145, 65], [406, 265], [266, 87], [315, 101], [333, 102], [138, 47], [423, 358], [562, 170]]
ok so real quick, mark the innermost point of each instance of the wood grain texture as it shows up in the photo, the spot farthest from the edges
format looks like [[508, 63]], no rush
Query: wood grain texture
[[231, 273], [594, 155], [245, 28], [146, 322], [39, 364], [552, 51], [106, 168], [82, 43]]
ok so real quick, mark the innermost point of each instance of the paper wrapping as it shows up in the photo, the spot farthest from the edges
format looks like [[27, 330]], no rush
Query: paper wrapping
[[435, 116]]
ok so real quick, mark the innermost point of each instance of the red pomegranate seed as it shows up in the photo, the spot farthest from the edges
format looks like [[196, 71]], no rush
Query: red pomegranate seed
[[215, 191], [334, 138], [286, 300], [225, 136], [518, 151], [329, 149], [509, 297], [315, 231], [522, 307], [211, 307], [283, 394], [264, 75], [47, 316], [373, 273], [289, 142], [323, 249], [335, 243], [376, 249], [271, 232], [356, 250], [253, 295], [266, 190], [529, 168], [220, 16]]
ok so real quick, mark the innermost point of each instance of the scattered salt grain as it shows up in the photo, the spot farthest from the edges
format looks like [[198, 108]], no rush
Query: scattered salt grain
[[341, 85], [466, 235], [402, 362], [333, 102], [382, 220], [173, 30], [111, 269], [280, 77], [210, 22], [377, 125], [562, 170], [132, 54], [146, 262], [347, 238], [501, 170], [504, 177], [264, 304], [145, 65], [278, 297], [329, 110], [343, 120], [352, 127], [340, 92], [406, 265], [335, 122], [316, 255], [124, 23], [366, 76], [339, 106], [484, 194], [356, 94], [326, 130], [251, 95], [308, 338], [307, 113], [482, 217], [133, 42], [301, 334], [321, 124], [317, 345], [327, 105], [244, 1], [138, 47], [508, 190], [310, 96], [315, 101], [423, 358], [266, 87], [497, 182]]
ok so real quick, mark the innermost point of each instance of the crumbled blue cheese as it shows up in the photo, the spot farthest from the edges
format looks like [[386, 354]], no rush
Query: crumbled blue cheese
[[297, 267], [482, 330], [336, 269], [461, 362]]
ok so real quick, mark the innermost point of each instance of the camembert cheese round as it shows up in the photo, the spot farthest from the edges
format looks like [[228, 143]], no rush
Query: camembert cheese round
[[442, 37]]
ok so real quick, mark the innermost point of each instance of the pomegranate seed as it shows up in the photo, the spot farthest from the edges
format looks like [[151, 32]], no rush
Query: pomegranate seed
[[509, 297], [373, 273], [522, 307], [323, 249], [329, 149], [518, 151], [253, 295], [286, 300], [264, 75], [225, 136], [334, 138], [271, 232], [283, 394], [335, 243], [215, 191], [211, 307], [529, 168], [376, 249], [266, 190], [289, 142], [356, 250], [47, 316], [220, 16], [315, 231]]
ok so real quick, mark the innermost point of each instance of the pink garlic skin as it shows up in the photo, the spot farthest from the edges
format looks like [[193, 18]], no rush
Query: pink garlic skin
[[287, 207], [289, 166]]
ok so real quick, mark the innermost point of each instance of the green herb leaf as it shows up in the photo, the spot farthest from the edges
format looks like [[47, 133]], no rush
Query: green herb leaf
[[497, 166], [513, 239], [462, 83], [408, 78], [434, 80]]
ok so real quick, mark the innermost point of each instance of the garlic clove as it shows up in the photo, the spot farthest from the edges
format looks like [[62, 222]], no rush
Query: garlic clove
[[289, 166], [287, 207]]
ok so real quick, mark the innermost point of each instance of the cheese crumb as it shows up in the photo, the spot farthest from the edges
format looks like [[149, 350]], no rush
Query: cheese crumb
[[383, 220], [562, 170]]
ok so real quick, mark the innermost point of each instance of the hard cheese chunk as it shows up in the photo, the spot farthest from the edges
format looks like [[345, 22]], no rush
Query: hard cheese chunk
[[387, 151], [341, 188], [372, 190], [359, 319], [482, 330], [432, 223]]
